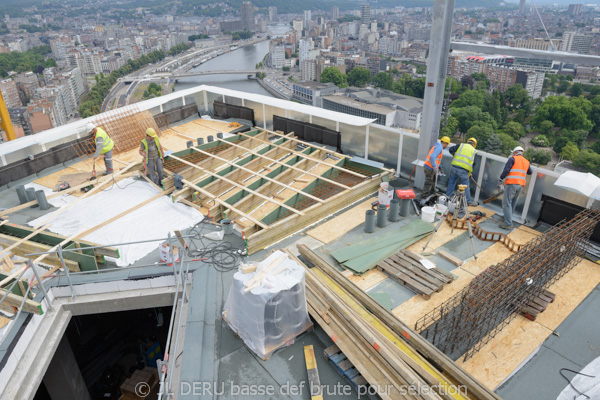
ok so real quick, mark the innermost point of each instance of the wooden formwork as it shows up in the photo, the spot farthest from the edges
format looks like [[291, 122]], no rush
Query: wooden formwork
[[270, 188]]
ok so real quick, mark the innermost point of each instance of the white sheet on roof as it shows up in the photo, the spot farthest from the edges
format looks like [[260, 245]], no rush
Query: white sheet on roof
[[153, 221], [56, 201]]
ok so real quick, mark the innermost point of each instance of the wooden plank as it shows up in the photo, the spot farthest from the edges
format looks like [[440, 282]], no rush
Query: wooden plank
[[13, 300], [314, 382], [28, 247], [418, 270], [292, 167], [300, 154], [406, 280], [224, 204], [415, 274], [453, 259], [441, 361], [262, 176], [280, 204]]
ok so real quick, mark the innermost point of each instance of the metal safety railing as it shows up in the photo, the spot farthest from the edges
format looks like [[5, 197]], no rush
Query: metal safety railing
[[180, 282]]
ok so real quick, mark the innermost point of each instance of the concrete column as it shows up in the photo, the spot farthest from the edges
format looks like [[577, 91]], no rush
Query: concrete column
[[439, 47], [63, 378]]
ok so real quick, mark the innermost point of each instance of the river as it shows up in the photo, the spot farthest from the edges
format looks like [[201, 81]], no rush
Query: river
[[244, 58]]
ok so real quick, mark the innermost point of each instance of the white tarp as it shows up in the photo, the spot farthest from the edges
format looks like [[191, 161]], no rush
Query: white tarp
[[585, 385], [152, 221]]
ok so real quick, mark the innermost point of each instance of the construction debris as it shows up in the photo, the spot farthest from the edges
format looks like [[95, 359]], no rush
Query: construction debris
[[389, 355], [537, 304], [472, 317]]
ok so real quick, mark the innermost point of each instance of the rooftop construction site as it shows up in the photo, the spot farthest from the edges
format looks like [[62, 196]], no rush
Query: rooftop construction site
[[217, 244], [282, 250]]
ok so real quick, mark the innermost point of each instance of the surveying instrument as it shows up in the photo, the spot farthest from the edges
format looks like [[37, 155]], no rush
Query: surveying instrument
[[459, 208]]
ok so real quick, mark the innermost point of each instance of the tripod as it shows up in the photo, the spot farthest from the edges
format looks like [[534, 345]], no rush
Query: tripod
[[456, 206]]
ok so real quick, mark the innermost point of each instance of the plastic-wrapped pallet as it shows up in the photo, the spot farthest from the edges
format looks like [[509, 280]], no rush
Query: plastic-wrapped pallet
[[271, 314]]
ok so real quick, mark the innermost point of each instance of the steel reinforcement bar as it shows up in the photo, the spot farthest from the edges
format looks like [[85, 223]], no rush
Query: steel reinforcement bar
[[473, 316]]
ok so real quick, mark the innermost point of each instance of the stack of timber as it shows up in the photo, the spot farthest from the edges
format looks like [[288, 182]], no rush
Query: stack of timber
[[537, 304], [396, 362], [405, 267], [363, 256]]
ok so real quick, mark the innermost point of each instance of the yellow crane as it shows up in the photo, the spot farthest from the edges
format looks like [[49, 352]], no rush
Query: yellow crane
[[5, 122]]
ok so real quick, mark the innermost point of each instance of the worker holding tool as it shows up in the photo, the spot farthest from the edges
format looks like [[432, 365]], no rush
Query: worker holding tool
[[462, 166], [153, 155], [514, 175], [433, 166], [104, 146]]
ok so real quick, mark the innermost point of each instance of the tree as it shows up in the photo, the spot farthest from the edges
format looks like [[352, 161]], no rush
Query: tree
[[540, 141], [517, 97], [359, 76], [564, 113], [469, 98], [545, 127], [333, 75], [450, 128], [515, 129], [384, 80], [540, 157], [570, 151], [588, 161], [576, 90], [494, 145], [471, 116], [483, 134], [468, 82], [508, 142], [286, 68]]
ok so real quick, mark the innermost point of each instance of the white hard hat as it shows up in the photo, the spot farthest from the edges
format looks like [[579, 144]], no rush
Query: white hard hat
[[90, 127], [518, 148]]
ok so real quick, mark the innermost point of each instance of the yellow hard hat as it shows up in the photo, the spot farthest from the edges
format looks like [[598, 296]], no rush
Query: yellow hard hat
[[151, 132], [472, 140], [445, 139]]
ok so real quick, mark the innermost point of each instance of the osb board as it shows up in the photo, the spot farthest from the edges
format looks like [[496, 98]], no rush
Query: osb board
[[4, 322], [500, 356], [342, 224], [368, 280], [570, 291], [414, 308], [443, 235]]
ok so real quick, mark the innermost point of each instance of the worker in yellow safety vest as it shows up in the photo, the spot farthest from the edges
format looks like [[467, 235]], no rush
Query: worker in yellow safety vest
[[462, 166], [433, 166], [515, 177], [153, 155], [104, 146]]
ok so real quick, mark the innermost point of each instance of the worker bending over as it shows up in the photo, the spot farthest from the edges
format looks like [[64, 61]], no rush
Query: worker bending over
[[462, 166], [514, 175], [153, 155], [433, 164], [104, 146]]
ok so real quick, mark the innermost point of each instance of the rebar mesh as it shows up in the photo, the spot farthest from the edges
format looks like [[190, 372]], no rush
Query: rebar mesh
[[472, 317]]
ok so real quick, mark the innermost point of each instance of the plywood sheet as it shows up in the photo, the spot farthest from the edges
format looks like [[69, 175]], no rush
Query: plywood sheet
[[414, 308], [368, 280], [342, 224], [511, 346], [570, 291], [443, 235]]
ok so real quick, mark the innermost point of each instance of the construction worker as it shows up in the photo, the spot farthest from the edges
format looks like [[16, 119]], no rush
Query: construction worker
[[104, 146], [153, 155], [514, 175], [462, 166], [433, 164]]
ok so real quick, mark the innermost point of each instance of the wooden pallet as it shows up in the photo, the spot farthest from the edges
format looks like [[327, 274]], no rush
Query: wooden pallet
[[483, 234], [537, 304], [405, 268], [334, 355]]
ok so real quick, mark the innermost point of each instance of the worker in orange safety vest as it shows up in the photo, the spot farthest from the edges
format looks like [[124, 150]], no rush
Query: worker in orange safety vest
[[515, 177], [433, 164]]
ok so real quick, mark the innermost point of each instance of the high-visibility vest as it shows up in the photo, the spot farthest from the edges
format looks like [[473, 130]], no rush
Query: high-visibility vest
[[145, 143], [439, 157], [464, 157], [108, 143], [518, 172]]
